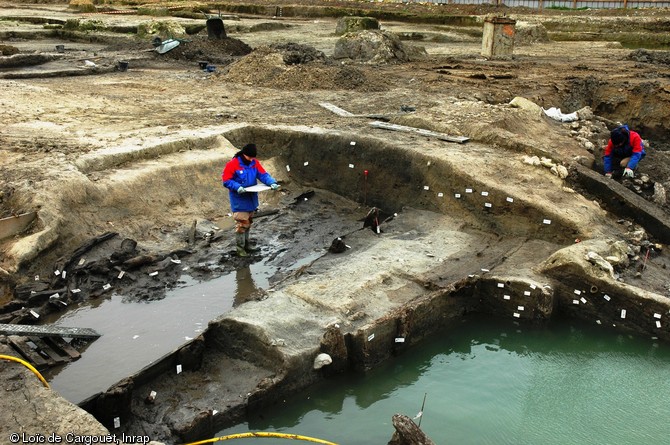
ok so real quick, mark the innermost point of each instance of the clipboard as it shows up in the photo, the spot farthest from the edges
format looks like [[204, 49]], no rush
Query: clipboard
[[257, 188]]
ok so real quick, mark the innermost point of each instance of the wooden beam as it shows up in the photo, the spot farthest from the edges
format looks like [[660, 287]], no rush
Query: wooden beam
[[60, 345], [421, 131], [14, 225], [20, 344], [335, 109], [53, 355]]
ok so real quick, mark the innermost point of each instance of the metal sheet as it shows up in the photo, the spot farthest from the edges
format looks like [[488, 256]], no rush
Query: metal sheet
[[47, 331], [167, 45]]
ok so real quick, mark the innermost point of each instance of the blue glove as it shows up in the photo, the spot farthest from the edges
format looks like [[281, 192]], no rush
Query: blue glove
[[628, 173], [274, 186], [241, 190]]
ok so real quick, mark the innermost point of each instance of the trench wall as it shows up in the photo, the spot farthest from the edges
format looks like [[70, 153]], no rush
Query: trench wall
[[397, 177], [388, 336]]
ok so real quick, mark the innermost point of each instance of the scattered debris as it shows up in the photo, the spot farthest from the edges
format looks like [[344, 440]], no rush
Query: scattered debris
[[556, 114]]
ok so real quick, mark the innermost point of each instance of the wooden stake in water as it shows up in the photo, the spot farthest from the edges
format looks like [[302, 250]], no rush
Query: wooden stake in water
[[422, 405]]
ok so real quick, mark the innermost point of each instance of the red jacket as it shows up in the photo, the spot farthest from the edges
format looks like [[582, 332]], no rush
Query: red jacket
[[237, 174], [634, 149]]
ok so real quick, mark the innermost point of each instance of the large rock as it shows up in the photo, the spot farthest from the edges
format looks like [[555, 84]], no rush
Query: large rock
[[526, 104]]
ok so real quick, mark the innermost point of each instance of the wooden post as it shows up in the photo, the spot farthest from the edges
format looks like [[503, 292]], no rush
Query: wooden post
[[407, 432]]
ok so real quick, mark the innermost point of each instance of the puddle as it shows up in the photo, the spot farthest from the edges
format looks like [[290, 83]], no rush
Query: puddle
[[135, 334]]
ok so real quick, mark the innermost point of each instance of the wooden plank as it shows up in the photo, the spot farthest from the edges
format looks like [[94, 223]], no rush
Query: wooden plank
[[421, 131], [335, 109], [30, 354], [344, 113], [47, 331], [14, 225], [53, 355], [62, 347]]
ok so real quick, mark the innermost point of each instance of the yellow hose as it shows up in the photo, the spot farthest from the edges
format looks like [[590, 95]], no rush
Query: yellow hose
[[27, 365], [263, 434]]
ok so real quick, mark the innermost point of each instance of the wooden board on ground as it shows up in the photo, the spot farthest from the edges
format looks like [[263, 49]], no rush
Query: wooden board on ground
[[344, 113], [55, 356], [337, 110], [20, 344], [421, 131], [13, 225], [61, 345]]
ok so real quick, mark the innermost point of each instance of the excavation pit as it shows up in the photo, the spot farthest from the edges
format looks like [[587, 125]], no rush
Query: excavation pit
[[440, 256], [472, 227]]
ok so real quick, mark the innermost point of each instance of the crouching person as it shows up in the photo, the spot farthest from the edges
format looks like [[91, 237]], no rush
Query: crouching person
[[623, 152]]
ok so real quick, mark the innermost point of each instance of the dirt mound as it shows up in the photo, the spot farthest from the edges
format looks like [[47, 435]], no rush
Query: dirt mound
[[296, 53], [8, 50], [374, 47], [656, 57], [267, 67], [222, 51], [529, 33]]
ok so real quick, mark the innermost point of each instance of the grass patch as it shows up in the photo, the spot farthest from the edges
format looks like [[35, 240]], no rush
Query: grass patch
[[567, 8]]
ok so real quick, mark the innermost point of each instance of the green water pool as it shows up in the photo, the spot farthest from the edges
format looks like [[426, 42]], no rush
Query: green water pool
[[494, 381]]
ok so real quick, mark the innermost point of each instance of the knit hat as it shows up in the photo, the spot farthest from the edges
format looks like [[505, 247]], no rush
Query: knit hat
[[249, 150], [619, 136]]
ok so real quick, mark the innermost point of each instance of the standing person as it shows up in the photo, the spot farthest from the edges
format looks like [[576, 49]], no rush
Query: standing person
[[240, 172], [624, 150]]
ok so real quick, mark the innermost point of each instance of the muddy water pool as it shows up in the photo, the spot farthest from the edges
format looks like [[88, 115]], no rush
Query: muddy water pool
[[136, 334], [495, 382]]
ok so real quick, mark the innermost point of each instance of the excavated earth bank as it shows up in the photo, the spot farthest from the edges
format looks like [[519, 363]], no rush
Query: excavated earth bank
[[123, 171]]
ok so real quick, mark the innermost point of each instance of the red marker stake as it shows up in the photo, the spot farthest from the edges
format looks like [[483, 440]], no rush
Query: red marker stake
[[365, 188]]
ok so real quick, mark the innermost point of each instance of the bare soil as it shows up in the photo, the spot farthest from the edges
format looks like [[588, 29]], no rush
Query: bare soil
[[137, 154]]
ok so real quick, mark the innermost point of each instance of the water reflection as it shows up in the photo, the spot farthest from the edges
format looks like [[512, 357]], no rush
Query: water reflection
[[245, 286], [492, 381], [134, 334]]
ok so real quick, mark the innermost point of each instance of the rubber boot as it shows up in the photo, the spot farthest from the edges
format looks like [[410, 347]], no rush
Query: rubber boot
[[247, 245], [239, 240]]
